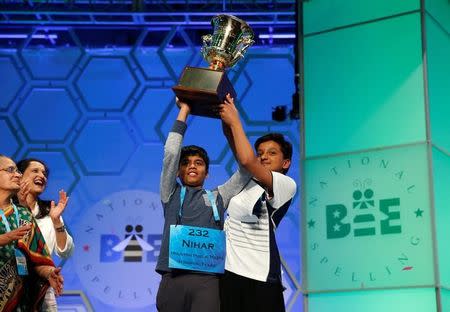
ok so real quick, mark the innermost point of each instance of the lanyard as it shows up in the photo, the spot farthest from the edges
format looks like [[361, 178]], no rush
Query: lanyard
[[210, 197], [5, 221]]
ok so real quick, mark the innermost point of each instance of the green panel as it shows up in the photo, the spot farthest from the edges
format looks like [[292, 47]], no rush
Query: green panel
[[441, 171], [440, 10], [368, 220], [445, 300], [399, 300], [320, 15], [438, 57], [364, 87]]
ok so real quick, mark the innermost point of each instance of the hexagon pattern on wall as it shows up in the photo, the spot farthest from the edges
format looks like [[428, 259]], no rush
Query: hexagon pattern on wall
[[57, 62], [106, 83], [103, 146], [12, 81], [10, 143], [144, 114], [266, 89], [103, 116], [47, 115]]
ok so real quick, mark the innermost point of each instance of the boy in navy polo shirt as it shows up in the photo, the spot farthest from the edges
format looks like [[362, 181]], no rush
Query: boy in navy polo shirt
[[189, 209]]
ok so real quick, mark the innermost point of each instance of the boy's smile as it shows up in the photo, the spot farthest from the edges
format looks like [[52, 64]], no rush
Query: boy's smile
[[271, 156], [192, 171]]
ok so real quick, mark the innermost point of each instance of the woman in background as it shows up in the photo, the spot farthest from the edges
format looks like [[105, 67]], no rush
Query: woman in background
[[26, 268], [47, 214]]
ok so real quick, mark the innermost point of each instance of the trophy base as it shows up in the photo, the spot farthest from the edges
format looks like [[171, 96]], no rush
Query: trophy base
[[204, 90]]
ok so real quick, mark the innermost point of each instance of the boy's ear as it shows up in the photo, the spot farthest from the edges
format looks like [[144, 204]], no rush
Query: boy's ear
[[286, 164]]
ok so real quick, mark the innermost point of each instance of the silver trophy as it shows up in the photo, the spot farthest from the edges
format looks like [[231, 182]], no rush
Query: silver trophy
[[205, 88]]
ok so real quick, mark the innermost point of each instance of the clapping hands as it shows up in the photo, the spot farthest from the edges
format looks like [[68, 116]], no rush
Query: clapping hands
[[57, 210]]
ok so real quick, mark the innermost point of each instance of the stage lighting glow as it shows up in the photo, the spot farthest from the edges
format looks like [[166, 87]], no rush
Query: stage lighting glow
[[276, 36], [23, 36]]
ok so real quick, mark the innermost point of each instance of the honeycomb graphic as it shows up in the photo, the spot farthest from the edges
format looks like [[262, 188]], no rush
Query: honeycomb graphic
[[100, 116]]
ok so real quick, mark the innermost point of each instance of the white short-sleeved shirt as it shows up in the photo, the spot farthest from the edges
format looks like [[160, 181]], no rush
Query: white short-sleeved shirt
[[248, 245]]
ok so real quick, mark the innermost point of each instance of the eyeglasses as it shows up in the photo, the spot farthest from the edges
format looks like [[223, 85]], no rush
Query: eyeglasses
[[11, 170]]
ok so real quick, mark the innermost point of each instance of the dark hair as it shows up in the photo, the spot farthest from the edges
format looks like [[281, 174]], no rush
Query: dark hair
[[194, 150], [44, 205], [285, 146]]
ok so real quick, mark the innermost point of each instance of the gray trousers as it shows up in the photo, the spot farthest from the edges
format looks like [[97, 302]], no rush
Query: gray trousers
[[188, 292]]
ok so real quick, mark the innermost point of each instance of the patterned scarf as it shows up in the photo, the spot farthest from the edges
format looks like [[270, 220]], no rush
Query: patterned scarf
[[22, 293]]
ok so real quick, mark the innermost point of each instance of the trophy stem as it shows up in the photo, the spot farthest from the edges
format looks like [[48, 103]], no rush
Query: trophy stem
[[217, 65]]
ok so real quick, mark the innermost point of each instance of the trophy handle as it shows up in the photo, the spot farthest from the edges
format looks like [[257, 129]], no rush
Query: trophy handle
[[243, 45], [207, 40]]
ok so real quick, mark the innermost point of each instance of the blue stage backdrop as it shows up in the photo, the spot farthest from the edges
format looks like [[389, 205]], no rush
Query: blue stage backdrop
[[99, 118]]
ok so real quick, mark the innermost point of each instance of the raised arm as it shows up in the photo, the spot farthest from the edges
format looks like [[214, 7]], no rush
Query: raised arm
[[172, 150], [64, 242], [244, 151], [227, 132], [240, 178]]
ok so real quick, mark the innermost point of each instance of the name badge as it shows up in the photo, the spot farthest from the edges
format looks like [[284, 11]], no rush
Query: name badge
[[21, 262], [196, 249]]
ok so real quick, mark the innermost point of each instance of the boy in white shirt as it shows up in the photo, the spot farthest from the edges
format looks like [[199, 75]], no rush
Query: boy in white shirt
[[252, 280]]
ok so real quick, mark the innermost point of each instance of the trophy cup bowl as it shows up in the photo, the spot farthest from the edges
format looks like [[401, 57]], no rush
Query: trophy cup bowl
[[204, 89]]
